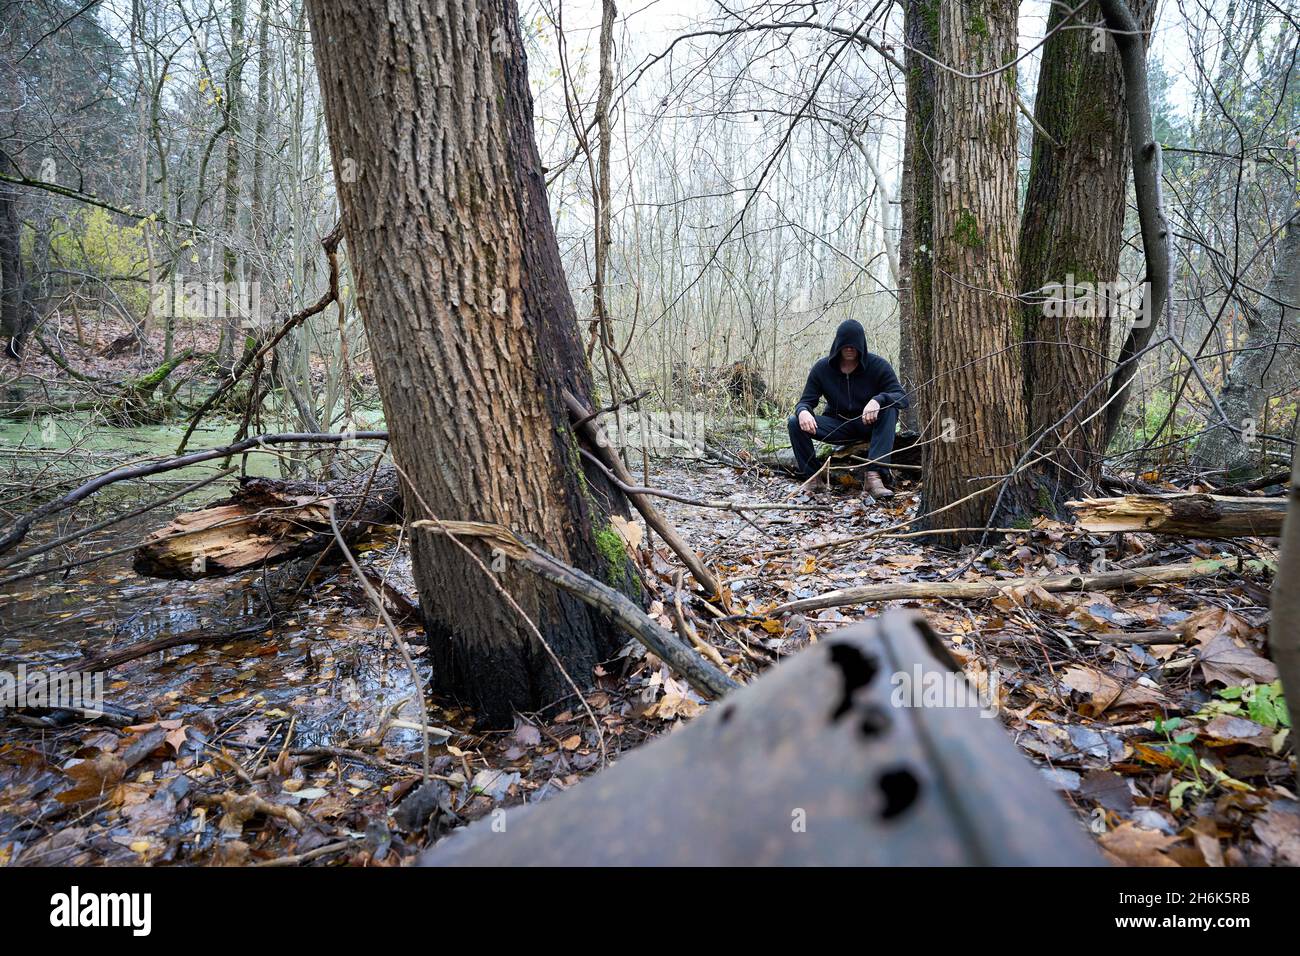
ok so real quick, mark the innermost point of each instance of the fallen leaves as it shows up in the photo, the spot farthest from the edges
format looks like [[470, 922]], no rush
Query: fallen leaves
[[1105, 692], [1132, 845]]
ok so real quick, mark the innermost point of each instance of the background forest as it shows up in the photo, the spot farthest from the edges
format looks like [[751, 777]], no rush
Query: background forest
[[1072, 228]]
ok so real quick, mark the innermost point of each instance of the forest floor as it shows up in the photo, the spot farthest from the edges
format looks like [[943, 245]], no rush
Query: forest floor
[[278, 728]]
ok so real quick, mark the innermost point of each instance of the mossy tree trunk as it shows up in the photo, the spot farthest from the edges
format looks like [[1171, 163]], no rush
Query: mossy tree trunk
[[916, 245], [1071, 230], [977, 390], [472, 328]]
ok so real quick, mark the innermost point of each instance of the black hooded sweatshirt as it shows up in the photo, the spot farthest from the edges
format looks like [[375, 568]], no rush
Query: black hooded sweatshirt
[[847, 395]]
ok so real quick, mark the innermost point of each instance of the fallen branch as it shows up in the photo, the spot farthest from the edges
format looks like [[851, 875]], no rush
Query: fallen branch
[[697, 672], [103, 662], [18, 530], [1194, 515], [605, 453], [976, 590]]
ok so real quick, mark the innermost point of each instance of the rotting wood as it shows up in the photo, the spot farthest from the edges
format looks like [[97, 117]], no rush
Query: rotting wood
[[1193, 515], [267, 521]]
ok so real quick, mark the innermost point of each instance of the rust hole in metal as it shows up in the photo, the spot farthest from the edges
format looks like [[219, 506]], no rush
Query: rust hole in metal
[[900, 789], [857, 671], [874, 721]]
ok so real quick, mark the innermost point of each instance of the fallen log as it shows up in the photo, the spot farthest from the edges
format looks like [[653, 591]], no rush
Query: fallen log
[[1193, 515], [267, 521], [821, 761], [976, 590]]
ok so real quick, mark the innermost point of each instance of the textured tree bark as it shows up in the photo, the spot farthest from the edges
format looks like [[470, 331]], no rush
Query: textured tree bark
[[1072, 232], [909, 418], [921, 26], [977, 386], [1259, 370], [473, 330], [1198, 516], [16, 313]]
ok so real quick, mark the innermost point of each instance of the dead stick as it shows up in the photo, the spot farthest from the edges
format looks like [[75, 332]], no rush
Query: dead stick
[[1103, 580], [718, 504], [666, 531], [697, 672]]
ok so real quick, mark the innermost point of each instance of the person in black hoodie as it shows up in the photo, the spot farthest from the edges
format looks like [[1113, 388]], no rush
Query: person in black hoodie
[[863, 397]]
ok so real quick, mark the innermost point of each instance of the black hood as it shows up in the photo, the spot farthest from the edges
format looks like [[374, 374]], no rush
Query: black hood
[[851, 333]]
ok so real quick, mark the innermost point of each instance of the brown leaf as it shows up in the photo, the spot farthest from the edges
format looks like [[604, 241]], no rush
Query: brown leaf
[[1130, 845], [1279, 830], [1109, 789], [93, 778], [1225, 660], [1237, 729], [1105, 691]]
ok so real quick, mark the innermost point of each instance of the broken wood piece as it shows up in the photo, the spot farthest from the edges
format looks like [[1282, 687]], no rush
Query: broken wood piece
[[1193, 515], [829, 765], [267, 521], [977, 590]]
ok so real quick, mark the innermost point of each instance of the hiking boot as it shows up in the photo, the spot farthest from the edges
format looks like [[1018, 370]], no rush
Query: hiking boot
[[875, 487]]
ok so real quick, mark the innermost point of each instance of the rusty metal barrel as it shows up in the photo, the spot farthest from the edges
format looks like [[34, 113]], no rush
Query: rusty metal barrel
[[867, 748]]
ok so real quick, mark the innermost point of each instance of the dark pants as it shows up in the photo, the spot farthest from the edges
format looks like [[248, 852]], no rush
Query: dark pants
[[835, 431]]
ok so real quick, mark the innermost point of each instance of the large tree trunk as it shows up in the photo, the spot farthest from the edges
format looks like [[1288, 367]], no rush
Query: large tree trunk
[[16, 313], [921, 25], [1259, 370], [232, 95], [473, 329], [1071, 233], [977, 362]]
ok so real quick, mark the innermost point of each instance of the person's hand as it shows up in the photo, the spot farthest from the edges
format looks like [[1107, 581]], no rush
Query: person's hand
[[871, 412], [807, 422]]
